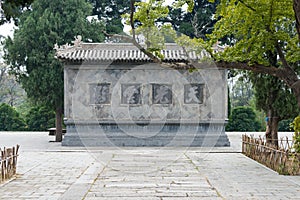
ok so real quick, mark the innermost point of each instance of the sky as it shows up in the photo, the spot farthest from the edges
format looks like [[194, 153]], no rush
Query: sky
[[6, 29]]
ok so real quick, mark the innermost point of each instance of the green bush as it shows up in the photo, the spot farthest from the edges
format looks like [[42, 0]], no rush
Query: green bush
[[40, 118], [284, 125], [243, 119], [296, 126], [10, 119]]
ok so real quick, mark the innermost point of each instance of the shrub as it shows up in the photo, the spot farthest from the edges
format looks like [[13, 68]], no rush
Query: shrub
[[40, 118], [296, 126], [10, 119], [243, 119], [284, 125]]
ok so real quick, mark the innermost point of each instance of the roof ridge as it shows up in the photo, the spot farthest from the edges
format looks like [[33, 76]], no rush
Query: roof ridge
[[100, 52]]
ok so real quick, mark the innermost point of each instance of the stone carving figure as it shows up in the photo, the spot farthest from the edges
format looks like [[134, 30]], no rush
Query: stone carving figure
[[131, 95], [101, 94], [162, 95]]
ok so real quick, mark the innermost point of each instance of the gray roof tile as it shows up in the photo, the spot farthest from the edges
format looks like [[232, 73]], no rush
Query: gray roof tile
[[123, 52]]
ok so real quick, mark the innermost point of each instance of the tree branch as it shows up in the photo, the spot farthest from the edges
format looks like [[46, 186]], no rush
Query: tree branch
[[251, 8], [134, 41], [258, 68], [281, 55], [132, 10]]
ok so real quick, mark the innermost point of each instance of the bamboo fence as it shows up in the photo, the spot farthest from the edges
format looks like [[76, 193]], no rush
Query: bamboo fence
[[280, 158], [8, 162]]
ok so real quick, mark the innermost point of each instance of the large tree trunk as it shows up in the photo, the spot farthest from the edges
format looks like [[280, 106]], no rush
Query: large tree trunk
[[58, 121], [272, 128]]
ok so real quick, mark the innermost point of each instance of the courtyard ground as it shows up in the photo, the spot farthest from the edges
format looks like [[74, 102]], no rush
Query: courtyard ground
[[47, 170]]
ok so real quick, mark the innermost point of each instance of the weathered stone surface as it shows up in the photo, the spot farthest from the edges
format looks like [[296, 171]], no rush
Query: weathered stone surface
[[128, 100]]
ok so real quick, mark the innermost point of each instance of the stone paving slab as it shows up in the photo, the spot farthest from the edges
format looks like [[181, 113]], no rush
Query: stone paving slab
[[52, 172]]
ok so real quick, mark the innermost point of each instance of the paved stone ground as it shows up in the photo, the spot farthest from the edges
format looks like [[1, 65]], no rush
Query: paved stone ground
[[48, 171]]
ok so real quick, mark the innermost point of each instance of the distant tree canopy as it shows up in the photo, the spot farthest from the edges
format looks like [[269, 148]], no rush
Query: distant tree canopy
[[10, 119], [110, 12], [242, 92], [195, 24], [243, 119]]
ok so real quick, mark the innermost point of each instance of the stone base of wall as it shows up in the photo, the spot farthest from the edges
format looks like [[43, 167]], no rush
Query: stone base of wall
[[143, 134]]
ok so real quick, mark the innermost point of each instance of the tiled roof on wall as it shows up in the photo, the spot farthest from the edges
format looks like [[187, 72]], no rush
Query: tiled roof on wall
[[122, 52]]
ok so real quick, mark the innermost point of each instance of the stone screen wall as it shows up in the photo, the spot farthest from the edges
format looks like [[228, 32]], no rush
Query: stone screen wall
[[139, 97], [144, 92]]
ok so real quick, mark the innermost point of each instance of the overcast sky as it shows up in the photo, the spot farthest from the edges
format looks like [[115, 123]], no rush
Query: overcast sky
[[6, 29]]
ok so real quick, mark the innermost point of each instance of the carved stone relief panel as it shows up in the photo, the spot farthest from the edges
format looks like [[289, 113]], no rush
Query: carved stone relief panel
[[131, 94], [99, 93], [193, 93], [161, 94]]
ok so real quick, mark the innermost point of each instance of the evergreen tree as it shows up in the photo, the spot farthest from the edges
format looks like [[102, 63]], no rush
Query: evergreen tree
[[10, 119], [40, 118], [31, 55], [11, 9], [276, 100], [243, 119], [111, 11], [195, 24]]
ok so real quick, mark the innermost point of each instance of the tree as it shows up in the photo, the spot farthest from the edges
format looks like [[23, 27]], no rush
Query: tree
[[241, 92], [276, 100], [10, 119], [242, 119], [12, 9], [284, 125], [261, 30], [11, 91], [258, 33], [31, 55], [255, 30], [111, 11], [195, 24]]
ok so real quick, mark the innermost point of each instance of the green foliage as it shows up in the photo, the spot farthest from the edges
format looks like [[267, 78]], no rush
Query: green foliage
[[197, 23], [284, 125], [242, 119], [296, 126], [13, 9], [40, 118], [242, 92], [146, 15], [10, 119], [272, 93], [180, 3], [30, 53], [110, 11], [256, 28]]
